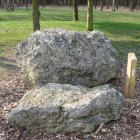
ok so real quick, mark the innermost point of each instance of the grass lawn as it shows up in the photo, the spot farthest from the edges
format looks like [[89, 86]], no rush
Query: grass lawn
[[122, 28]]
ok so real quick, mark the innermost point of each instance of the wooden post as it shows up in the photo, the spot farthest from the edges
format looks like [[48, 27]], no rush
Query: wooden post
[[131, 75]]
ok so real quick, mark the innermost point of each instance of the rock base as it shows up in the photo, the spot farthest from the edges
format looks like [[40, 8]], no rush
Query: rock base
[[67, 108]]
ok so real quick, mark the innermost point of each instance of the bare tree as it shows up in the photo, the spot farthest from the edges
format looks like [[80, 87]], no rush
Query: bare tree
[[131, 5], [75, 10], [26, 3], [96, 2], [36, 15], [107, 4], [90, 16], [117, 4], [102, 5], [8, 4], [113, 5]]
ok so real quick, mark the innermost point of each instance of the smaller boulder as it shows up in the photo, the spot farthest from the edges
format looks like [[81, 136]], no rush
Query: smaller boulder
[[67, 108]]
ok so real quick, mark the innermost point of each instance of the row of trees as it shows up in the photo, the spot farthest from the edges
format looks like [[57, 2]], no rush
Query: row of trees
[[115, 4], [9, 5], [36, 14]]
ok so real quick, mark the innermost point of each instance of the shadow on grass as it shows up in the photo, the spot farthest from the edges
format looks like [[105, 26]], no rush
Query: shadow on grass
[[125, 37], [48, 15], [124, 47], [119, 28], [8, 64], [7, 60]]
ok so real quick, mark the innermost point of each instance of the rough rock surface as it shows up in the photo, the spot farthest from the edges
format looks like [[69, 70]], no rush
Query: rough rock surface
[[67, 57], [68, 108]]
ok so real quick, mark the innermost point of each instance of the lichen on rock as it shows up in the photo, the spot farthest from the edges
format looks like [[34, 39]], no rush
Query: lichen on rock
[[67, 108], [68, 57]]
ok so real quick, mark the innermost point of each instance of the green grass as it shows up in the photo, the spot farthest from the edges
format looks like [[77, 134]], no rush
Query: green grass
[[122, 28]]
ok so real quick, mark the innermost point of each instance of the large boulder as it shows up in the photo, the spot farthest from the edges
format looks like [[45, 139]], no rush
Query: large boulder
[[67, 57], [68, 108]]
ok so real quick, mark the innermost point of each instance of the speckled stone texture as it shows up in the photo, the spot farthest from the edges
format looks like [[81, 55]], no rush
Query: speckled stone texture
[[68, 57], [67, 108]]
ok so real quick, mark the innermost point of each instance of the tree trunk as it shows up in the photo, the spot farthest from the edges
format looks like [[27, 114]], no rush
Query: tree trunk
[[117, 4], [9, 5], [90, 16], [70, 3], [12, 5], [135, 4], [102, 5], [26, 4], [4, 4], [132, 5], [44, 3], [75, 10], [113, 5], [107, 4], [36, 15], [17, 3], [96, 1]]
